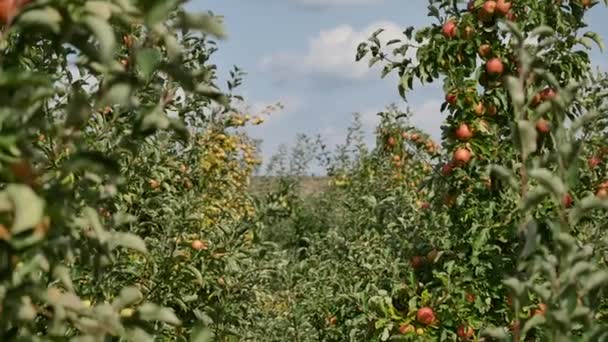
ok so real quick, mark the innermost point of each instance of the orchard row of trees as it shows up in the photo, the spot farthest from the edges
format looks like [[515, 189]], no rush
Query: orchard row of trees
[[127, 212]]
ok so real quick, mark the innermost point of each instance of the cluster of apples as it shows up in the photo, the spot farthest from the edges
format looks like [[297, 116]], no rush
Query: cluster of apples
[[426, 316]]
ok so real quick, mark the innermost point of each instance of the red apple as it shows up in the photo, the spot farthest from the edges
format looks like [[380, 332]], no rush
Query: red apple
[[484, 50], [503, 7], [406, 329], [425, 205], [471, 6], [463, 132], [465, 332], [602, 193], [489, 6], [450, 98], [536, 100], [542, 308], [548, 94], [415, 137], [391, 141], [8, 10], [405, 135], [470, 297], [462, 156], [492, 110], [449, 29], [594, 162], [585, 3], [543, 126], [468, 32], [431, 256], [425, 316], [446, 169], [567, 200], [416, 262], [198, 245], [495, 66], [479, 108]]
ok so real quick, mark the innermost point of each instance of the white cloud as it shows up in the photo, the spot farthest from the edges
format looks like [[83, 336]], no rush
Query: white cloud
[[429, 118], [331, 54], [322, 4]]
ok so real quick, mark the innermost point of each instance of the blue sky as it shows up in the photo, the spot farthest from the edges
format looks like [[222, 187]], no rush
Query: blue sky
[[301, 53]]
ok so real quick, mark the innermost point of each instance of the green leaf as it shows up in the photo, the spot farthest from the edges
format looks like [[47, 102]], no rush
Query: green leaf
[[138, 335], [201, 334], [515, 286], [549, 181], [153, 312], [158, 11], [147, 60], [203, 22], [128, 240], [596, 280], [79, 109], [586, 204], [118, 94], [533, 198], [92, 161], [46, 17], [527, 136], [101, 9], [533, 322], [516, 90], [495, 332], [542, 31], [27, 205], [128, 296], [63, 274], [596, 38], [105, 35]]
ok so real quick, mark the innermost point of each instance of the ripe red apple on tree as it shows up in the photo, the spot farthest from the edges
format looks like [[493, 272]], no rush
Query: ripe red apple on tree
[[391, 141], [463, 132], [446, 169], [602, 193], [9, 9], [543, 126], [416, 262], [567, 200], [511, 16], [415, 137], [462, 156], [468, 32], [548, 94], [406, 329], [479, 108], [585, 3], [536, 100], [449, 29], [495, 66], [450, 98], [465, 332], [469, 297], [484, 50], [425, 315], [487, 10], [471, 6], [594, 162], [503, 7]]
